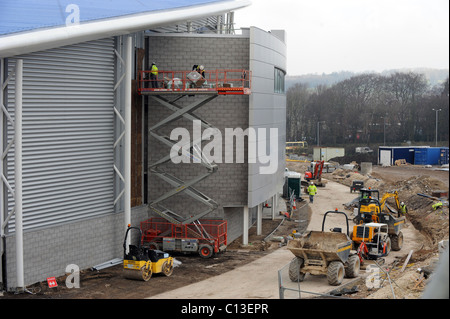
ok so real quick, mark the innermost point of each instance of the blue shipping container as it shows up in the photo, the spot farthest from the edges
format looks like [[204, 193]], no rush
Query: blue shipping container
[[427, 156], [443, 159]]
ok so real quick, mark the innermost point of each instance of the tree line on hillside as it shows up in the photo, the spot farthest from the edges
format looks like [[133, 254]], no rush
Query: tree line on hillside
[[433, 76], [367, 109]]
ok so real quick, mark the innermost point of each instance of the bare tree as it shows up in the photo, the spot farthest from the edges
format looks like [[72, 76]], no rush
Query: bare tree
[[368, 108]]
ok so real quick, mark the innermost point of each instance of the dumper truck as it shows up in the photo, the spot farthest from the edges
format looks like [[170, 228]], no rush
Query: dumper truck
[[324, 253]]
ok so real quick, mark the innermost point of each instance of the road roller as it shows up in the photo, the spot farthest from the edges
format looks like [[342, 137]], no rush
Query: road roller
[[140, 263]]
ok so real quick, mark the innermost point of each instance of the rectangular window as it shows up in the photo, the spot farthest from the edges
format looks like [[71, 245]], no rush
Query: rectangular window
[[279, 81]]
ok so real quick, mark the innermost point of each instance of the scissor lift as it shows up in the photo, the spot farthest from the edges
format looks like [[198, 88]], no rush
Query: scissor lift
[[217, 82], [167, 89]]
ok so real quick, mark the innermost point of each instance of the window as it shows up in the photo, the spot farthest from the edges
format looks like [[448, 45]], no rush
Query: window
[[279, 81]]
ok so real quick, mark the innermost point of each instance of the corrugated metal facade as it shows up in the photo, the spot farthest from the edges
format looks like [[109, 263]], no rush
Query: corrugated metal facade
[[68, 132]]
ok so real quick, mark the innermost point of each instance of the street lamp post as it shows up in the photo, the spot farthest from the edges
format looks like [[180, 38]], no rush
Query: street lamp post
[[318, 131], [436, 110]]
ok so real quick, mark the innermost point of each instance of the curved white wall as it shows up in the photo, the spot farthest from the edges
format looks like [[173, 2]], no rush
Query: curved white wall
[[267, 109]]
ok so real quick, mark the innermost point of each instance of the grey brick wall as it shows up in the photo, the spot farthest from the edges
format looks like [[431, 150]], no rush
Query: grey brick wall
[[178, 53], [48, 251], [228, 186], [235, 222]]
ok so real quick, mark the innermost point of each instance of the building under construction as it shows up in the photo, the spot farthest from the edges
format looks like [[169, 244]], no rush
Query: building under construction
[[91, 143]]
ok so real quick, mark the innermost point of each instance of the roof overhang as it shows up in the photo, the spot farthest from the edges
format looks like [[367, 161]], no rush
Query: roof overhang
[[43, 39]]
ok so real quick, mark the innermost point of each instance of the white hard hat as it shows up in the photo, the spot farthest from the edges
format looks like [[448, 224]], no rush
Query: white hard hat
[[402, 203], [311, 183], [201, 67]]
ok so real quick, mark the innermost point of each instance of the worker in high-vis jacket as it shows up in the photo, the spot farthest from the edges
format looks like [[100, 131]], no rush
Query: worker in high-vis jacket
[[403, 209], [437, 205], [154, 76], [312, 190], [200, 69]]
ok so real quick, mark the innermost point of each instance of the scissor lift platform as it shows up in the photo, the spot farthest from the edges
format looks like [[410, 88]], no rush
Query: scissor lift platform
[[217, 82]]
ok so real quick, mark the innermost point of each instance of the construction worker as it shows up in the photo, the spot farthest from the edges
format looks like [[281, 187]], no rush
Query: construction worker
[[200, 69], [312, 190], [403, 209], [154, 76], [437, 205]]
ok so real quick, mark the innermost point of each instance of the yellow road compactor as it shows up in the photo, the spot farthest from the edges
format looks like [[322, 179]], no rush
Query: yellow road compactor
[[139, 263]]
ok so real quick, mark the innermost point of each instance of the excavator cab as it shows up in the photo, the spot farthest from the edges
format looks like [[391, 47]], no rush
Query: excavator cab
[[365, 193], [315, 173], [368, 211], [369, 206]]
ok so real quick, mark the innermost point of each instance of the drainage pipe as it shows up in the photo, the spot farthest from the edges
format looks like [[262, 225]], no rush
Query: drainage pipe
[[127, 137]]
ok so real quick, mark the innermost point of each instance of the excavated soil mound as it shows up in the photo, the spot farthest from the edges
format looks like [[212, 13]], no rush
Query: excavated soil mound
[[357, 157], [432, 223], [347, 177], [416, 190]]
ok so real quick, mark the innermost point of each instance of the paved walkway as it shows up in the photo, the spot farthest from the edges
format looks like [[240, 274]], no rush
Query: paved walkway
[[259, 279]]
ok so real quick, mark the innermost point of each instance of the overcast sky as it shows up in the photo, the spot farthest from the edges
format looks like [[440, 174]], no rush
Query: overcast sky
[[325, 36]]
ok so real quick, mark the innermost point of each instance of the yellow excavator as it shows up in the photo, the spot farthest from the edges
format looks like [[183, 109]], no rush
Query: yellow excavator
[[370, 203], [371, 209]]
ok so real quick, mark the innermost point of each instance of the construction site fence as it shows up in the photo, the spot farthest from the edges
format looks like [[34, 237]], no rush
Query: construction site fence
[[234, 80], [204, 230], [289, 289]]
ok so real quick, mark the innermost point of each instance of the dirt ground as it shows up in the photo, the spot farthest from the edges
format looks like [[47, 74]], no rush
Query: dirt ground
[[109, 283], [431, 225], [408, 181]]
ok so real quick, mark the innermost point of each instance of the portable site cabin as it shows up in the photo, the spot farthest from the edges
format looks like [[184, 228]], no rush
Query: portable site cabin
[[327, 153]]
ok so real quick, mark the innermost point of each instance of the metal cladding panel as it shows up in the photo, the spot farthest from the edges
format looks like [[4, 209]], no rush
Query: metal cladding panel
[[68, 133], [267, 109], [27, 15]]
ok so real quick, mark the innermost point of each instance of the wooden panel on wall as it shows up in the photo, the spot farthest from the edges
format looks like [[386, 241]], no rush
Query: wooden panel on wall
[[136, 137]]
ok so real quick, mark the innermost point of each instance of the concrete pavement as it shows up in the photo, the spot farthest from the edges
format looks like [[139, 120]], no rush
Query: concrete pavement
[[259, 279]]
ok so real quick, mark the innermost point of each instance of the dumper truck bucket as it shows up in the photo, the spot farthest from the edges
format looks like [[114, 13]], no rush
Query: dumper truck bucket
[[327, 246]]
